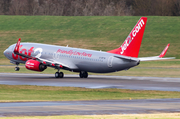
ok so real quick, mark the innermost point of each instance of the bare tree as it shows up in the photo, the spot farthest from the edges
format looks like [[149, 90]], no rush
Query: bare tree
[[164, 7], [109, 10], [32, 7], [123, 9], [144, 7], [176, 8], [156, 7], [1, 7], [17, 7], [90, 7], [5, 4]]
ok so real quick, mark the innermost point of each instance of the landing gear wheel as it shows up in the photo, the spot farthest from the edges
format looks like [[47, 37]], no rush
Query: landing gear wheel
[[83, 74], [57, 74], [61, 75], [16, 68]]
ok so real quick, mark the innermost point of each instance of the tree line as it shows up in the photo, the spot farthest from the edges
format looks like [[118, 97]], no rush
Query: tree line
[[90, 7]]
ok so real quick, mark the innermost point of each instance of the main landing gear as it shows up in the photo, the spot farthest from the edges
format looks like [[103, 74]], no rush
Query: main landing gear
[[83, 74], [59, 74]]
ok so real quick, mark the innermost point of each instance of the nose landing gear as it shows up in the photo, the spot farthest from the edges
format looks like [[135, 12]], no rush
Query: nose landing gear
[[17, 68]]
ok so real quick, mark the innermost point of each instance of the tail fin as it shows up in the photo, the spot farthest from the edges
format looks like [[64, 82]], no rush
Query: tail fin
[[131, 45]]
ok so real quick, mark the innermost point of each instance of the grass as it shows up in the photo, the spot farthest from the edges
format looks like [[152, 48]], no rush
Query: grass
[[91, 32], [14, 93], [120, 116], [98, 33]]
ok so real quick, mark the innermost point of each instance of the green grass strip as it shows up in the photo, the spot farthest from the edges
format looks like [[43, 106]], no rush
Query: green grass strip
[[13, 93]]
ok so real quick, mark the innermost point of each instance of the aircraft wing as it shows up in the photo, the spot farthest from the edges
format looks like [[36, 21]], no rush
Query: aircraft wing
[[47, 62], [57, 64], [160, 57]]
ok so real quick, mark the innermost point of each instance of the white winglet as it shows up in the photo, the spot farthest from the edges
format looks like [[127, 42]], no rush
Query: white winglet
[[160, 57], [164, 51]]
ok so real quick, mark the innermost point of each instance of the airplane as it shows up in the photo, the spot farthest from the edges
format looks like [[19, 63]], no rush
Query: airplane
[[38, 57]]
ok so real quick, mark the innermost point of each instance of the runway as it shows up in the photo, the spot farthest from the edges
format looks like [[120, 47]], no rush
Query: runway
[[90, 107], [123, 82]]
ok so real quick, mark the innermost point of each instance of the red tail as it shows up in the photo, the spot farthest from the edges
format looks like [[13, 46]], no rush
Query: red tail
[[131, 45]]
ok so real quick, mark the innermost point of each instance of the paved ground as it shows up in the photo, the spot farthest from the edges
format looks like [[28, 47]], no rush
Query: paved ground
[[90, 107], [123, 82]]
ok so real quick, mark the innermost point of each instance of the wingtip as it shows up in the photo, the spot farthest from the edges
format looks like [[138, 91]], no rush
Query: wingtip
[[164, 51]]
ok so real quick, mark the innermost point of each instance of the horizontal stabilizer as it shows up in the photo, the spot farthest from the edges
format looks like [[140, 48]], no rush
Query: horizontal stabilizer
[[130, 59], [154, 58]]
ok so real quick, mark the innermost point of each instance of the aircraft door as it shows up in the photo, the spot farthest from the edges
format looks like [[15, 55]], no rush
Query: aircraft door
[[110, 61]]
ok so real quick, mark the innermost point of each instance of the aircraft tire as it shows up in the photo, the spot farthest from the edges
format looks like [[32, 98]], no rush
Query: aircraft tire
[[61, 75], [57, 74], [83, 74], [17, 69]]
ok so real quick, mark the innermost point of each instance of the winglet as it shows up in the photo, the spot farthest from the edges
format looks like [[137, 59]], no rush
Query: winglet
[[16, 49], [164, 51]]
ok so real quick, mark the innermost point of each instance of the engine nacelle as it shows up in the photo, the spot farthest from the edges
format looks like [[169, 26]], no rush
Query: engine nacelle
[[35, 65]]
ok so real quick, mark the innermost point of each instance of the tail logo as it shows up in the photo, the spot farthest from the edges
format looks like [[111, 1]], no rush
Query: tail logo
[[134, 33], [126, 44], [137, 28]]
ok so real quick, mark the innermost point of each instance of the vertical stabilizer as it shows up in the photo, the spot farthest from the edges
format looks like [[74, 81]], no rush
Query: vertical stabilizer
[[131, 45]]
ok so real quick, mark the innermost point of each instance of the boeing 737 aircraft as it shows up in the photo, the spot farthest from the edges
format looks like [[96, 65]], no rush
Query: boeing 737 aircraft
[[38, 57]]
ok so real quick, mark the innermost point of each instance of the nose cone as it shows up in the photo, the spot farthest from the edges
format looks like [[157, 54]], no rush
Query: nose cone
[[6, 53]]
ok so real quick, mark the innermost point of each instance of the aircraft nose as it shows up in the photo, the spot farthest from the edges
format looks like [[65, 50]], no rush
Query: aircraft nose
[[6, 53]]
